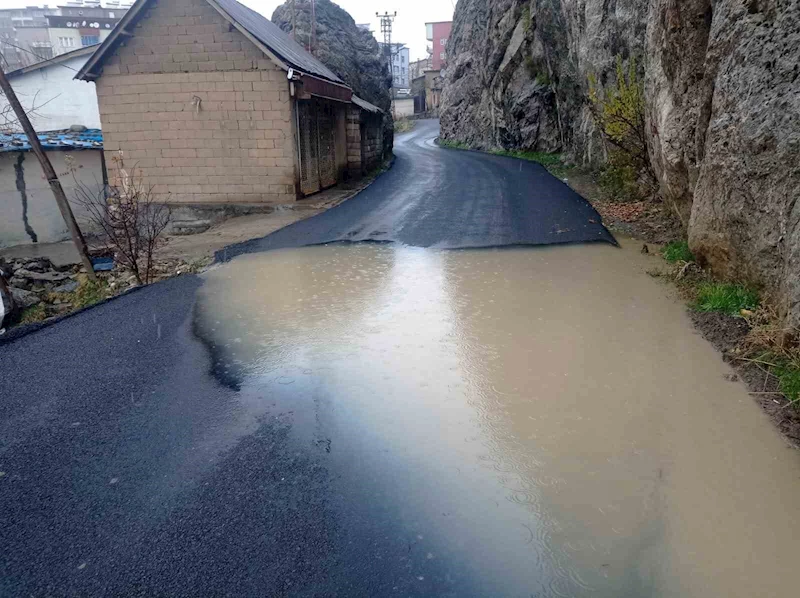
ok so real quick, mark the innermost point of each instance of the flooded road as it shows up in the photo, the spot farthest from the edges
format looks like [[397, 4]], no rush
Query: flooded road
[[516, 422]]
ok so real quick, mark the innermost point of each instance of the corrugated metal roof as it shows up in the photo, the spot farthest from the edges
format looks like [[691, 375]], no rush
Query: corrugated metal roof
[[76, 140], [272, 36], [365, 105], [255, 24], [61, 58]]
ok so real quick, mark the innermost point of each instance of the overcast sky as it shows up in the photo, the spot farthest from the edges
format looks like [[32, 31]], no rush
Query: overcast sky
[[409, 26]]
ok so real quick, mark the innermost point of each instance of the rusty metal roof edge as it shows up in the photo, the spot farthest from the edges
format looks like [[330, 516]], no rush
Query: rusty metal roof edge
[[365, 105]]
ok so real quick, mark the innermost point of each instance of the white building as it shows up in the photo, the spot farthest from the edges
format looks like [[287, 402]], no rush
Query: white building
[[400, 65], [68, 33], [52, 97], [30, 35]]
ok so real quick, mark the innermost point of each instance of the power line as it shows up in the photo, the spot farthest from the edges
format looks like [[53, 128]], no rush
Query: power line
[[40, 58]]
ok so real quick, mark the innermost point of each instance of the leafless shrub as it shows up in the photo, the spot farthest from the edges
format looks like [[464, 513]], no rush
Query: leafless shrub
[[9, 122], [128, 215]]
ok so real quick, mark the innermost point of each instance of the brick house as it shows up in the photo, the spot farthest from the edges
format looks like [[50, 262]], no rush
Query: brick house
[[214, 104]]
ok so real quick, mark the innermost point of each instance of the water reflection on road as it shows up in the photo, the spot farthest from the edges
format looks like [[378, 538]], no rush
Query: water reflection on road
[[535, 421]]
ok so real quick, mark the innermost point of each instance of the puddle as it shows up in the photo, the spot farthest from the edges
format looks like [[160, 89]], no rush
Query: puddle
[[537, 421]]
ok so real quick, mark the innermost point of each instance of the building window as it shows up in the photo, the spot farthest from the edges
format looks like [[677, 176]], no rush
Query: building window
[[396, 70], [110, 15], [66, 42], [90, 40], [443, 41], [441, 55]]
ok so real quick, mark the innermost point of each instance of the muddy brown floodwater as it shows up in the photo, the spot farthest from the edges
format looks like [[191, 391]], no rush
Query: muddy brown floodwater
[[545, 419]]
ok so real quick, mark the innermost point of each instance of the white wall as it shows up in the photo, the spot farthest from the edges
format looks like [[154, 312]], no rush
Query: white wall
[[38, 206], [403, 107], [60, 100]]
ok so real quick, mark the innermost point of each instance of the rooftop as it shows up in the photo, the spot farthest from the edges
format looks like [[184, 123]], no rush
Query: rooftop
[[286, 51], [53, 140]]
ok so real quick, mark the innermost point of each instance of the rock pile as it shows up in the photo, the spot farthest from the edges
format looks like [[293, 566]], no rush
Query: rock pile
[[41, 290]]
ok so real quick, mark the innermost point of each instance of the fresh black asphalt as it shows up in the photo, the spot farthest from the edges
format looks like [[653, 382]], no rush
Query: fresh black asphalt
[[449, 199], [118, 476]]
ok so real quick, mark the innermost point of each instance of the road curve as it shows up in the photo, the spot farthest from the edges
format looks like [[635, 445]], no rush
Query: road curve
[[117, 475], [448, 199]]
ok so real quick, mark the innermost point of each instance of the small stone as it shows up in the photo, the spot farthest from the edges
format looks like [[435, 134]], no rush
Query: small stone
[[41, 276], [24, 298], [67, 287]]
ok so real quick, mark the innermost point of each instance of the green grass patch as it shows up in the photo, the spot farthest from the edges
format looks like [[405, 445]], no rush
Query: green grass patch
[[789, 381], [677, 251], [453, 144], [88, 293], [724, 297], [552, 162], [542, 158], [36, 313]]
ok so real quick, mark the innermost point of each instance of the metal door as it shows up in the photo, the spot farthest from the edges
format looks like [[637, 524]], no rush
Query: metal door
[[317, 132], [309, 151]]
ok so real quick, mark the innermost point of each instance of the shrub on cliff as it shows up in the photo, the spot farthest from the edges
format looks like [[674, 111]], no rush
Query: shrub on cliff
[[619, 111]]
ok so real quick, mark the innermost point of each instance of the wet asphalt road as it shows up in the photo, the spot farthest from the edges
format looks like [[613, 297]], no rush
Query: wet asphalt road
[[447, 198], [118, 471]]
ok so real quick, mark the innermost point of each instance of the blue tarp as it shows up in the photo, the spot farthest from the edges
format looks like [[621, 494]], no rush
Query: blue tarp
[[88, 139]]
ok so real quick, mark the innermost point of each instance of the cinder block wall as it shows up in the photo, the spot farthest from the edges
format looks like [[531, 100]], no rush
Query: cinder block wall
[[353, 137], [198, 109], [373, 141]]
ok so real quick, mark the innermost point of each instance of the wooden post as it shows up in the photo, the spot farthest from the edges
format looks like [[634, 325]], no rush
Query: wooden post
[[50, 174]]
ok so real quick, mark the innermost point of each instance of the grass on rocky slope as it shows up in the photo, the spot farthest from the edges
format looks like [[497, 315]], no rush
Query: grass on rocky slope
[[764, 344], [677, 251], [552, 162], [725, 297]]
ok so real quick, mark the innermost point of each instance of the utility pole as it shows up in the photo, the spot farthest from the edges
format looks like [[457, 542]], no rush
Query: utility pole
[[50, 175], [313, 25], [294, 21], [386, 29]]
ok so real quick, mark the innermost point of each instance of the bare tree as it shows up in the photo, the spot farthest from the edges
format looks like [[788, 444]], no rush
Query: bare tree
[[129, 216]]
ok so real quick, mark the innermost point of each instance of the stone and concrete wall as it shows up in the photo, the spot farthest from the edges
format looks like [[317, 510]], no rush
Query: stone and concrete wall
[[199, 110], [29, 210], [364, 141]]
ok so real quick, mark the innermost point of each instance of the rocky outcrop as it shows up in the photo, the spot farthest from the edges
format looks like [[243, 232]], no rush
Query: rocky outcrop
[[723, 109], [517, 75], [352, 53], [723, 91]]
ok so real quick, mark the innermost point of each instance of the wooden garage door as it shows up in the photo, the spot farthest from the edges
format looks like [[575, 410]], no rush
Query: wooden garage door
[[317, 128]]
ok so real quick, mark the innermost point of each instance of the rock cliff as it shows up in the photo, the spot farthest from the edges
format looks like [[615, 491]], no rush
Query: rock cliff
[[350, 52], [722, 105]]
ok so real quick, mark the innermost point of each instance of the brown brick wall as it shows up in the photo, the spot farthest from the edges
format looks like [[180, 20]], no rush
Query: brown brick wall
[[201, 112]]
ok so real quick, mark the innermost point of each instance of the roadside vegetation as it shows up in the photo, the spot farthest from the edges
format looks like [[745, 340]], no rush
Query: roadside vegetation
[[553, 162], [403, 125], [619, 111], [766, 354]]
